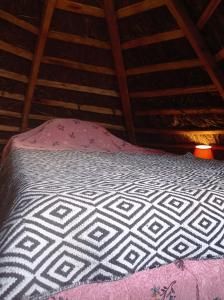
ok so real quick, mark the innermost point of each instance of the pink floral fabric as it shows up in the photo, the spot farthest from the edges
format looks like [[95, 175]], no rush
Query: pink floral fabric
[[63, 134], [183, 280]]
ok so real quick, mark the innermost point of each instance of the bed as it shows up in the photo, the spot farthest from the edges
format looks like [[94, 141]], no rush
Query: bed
[[86, 215]]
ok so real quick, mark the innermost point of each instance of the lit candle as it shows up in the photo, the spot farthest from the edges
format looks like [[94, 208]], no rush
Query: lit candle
[[203, 151]]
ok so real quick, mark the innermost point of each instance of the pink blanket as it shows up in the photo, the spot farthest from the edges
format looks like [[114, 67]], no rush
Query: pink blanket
[[189, 280], [62, 134]]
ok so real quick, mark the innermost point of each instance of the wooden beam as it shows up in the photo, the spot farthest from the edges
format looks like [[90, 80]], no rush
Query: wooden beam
[[80, 107], [76, 39], [173, 92], [18, 22], [77, 87], [40, 117], [3, 141], [13, 114], [14, 96], [7, 113], [181, 111], [80, 8], [77, 65], [111, 126], [197, 43], [16, 50], [57, 103], [9, 128], [174, 65], [48, 13], [220, 55], [138, 7], [179, 132], [119, 66], [153, 39], [100, 110], [13, 76], [208, 12]]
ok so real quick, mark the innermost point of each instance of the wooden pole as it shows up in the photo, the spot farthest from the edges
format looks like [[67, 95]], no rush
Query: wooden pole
[[119, 66], [48, 13]]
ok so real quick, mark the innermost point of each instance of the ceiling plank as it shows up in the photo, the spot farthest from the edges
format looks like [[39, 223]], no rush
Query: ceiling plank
[[208, 12], [174, 65], [48, 13], [174, 91], [111, 126], [197, 43], [77, 87], [181, 111], [18, 22], [77, 39], [138, 7], [80, 8], [77, 65], [172, 131], [16, 50], [9, 128], [13, 76], [82, 107], [14, 96], [153, 39], [119, 66]]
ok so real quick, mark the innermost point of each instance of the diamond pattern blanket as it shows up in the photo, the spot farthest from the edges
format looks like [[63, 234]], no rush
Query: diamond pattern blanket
[[75, 217]]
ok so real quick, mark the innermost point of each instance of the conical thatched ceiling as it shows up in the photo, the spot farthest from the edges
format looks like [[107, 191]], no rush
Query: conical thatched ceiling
[[150, 70]]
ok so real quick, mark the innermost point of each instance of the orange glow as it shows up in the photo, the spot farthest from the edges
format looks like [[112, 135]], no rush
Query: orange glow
[[203, 151]]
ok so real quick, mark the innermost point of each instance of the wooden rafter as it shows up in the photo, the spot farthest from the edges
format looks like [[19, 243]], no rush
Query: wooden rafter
[[16, 50], [48, 13], [81, 107], [174, 65], [153, 39], [197, 43], [18, 22], [119, 66], [80, 8], [14, 96], [76, 39], [208, 12], [77, 65], [77, 87], [138, 7], [9, 128], [181, 111], [173, 92], [13, 76], [178, 132]]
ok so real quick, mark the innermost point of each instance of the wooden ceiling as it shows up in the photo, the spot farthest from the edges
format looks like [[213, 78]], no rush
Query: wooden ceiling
[[123, 84]]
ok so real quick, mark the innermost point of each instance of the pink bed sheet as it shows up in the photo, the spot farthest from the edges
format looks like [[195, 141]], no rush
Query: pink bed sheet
[[63, 134], [183, 280]]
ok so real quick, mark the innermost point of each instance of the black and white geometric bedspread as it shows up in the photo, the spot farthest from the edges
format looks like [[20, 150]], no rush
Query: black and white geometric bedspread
[[82, 217]]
